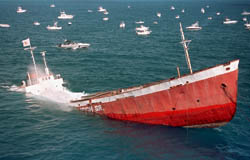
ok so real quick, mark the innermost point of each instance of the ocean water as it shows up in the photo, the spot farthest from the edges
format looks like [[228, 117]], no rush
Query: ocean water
[[33, 128]]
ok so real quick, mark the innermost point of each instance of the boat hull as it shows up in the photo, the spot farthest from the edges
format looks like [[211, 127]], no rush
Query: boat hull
[[203, 99]]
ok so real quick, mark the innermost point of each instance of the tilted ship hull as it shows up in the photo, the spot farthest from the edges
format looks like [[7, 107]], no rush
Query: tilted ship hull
[[205, 98]]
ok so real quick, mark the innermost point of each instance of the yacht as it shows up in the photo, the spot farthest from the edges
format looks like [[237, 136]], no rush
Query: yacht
[[145, 32], [67, 44], [245, 13], [36, 23], [142, 28], [54, 27], [101, 9], [52, 6], [122, 24], [5, 25], [20, 10], [194, 27], [158, 14], [65, 16], [202, 10], [105, 19], [229, 21]]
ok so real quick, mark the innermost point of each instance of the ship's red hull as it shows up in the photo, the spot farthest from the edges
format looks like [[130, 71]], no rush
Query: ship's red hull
[[203, 99]]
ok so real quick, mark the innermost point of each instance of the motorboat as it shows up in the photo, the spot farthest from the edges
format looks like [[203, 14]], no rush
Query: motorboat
[[229, 21], [218, 13], [145, 32], [101, 9], [142, 28], [172, 8], [106, 12], [20, 10], [122, 24], [67, 44], [36, 23], [139, 22], [245, 13], [182, 10], [155, 22], [5, 25], [208, 6], [194, 27], [244, 19], [90, 11], [202, 10], [158, 14], [247, 25], [52, 6], [129, 6], [209, 18], [69, 23], [177, 17], [54, 27], [65, 16], [105, 19]]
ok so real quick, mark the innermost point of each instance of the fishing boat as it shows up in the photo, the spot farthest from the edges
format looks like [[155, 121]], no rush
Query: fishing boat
[[45, 83], [229, 21], [20, 10], [63, 15], [194, 27], [205, 98], [54, 27], [5, 25]]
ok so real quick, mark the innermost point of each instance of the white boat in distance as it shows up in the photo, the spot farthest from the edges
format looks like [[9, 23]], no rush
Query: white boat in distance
[[245, 13], [105, 19], [142, 28], [67, 44], [5, 25], [20, 10], [182, 10], [229, 21], [218, 13], [54, 27], [145, 32], [172, 8], [194, 27], [202, 10], [177, 17], [90, 11], [101, 9], [209, 18], [139, 22], [52, 6], [65, 16], [122, 24], [158, 14], [36, 23]]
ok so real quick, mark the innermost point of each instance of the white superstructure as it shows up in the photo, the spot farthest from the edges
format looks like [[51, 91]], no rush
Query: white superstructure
[[20, 10], [63, 15]]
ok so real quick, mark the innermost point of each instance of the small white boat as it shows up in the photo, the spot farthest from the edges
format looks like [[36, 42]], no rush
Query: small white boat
[[63, 15], [122, 24], [20, 10], [245, 13], [5, 25], [194, 27], [177, 17], [139, 22], [106, 12], [209, 18], [36, 23], [244, 19], [172, 8], [129, 6], [52, 6], [67, 44], [229, 21], [208, 6], [218, 13], [105, 19], [69, 23], [155, 22], [202, 10], [142, 28], [182, 10], [158, 14], [54, 27], [247, 24], [101, 9], [145, 32], [90, 11]]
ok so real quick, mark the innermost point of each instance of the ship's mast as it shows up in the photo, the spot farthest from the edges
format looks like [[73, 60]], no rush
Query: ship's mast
[[45, 63], [185, 46], [33, 59]]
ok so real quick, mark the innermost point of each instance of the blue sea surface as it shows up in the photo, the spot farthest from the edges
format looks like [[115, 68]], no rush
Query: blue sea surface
[[34, 129]]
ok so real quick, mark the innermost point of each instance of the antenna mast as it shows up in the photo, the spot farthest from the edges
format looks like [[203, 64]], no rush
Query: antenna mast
[[185, 46], [45, 64]]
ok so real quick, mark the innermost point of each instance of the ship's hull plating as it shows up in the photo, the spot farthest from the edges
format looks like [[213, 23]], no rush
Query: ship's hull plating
[[203, 99]]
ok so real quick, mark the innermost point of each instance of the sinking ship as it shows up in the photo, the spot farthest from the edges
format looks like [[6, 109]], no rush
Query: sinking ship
[[205, 98]]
